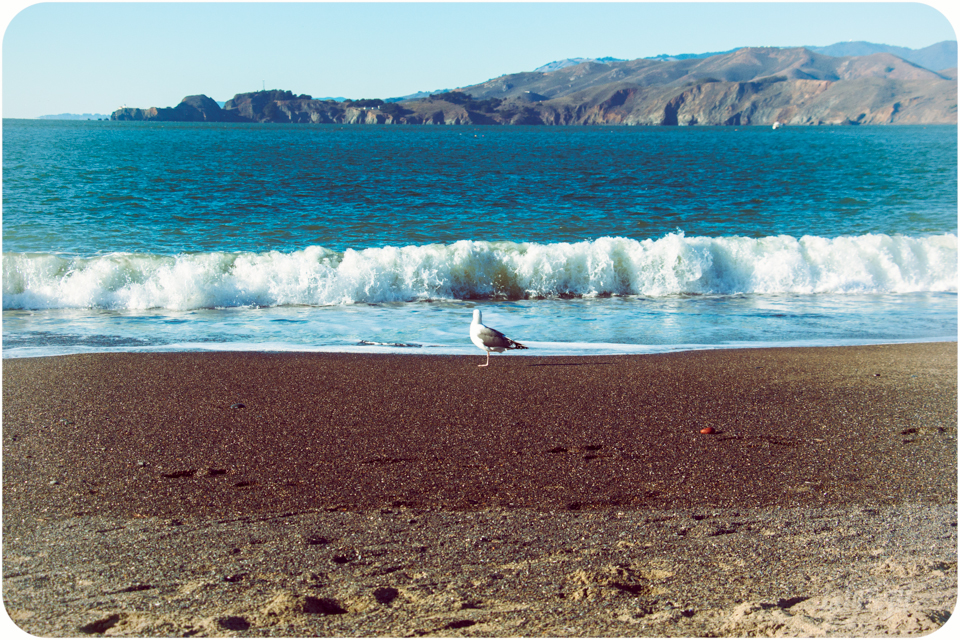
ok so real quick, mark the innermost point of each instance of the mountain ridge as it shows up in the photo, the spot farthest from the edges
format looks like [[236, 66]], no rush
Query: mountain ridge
[[936, 57]]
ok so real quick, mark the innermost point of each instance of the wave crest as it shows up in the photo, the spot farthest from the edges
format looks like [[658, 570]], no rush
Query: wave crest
[[671, 265]]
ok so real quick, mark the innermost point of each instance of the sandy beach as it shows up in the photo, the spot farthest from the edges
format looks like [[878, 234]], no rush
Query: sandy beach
[[402, 495]]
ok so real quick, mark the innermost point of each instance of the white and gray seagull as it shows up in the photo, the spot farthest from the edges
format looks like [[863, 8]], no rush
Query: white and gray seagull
[[489, 339]]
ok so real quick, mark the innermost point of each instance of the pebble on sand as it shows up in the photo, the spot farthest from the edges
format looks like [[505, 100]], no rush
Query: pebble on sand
[[708, 430]]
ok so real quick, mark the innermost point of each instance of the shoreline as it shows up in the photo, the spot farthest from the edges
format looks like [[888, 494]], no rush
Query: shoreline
[[360, 494], [601, 349]]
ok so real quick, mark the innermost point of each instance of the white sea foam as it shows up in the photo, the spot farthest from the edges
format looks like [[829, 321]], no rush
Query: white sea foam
[[671, 265]]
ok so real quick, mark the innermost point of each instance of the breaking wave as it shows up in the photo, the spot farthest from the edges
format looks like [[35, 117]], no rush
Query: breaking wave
[[671, 265]]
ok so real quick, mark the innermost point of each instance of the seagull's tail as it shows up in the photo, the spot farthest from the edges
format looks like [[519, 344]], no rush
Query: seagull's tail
[[515, 345]]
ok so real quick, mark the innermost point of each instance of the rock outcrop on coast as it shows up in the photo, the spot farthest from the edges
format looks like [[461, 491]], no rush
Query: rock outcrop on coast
[[750, 86], [191, 109]]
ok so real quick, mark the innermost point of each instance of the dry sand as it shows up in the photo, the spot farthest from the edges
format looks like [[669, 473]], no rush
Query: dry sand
[[339, 494]]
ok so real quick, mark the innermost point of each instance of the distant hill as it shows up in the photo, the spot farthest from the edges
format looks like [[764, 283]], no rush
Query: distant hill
[[569, 62], [749, 86], [936, 57], [742, 65], [663, 57], [76, 116]]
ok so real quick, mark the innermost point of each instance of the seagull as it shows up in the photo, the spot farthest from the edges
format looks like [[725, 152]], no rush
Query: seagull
[[489, 339]]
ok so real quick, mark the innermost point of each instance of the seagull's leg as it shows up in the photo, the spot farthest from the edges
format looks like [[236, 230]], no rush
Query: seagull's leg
[[488, 361]]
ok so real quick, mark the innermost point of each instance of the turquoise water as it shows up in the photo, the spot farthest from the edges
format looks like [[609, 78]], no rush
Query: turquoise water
[[147, 236]]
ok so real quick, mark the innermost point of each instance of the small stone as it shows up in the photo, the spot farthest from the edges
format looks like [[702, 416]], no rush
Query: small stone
[[238, 405], [234, 623], [708, 430], [386, 595]]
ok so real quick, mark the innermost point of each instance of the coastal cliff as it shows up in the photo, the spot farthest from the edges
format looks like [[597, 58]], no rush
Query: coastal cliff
[[191, 109], [751, 86]]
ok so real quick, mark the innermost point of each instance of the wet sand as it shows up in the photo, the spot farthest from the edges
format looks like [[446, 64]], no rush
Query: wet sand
[[343, 494]]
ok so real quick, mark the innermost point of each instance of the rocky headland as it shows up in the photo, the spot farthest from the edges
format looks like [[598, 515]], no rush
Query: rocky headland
[[750, 86]]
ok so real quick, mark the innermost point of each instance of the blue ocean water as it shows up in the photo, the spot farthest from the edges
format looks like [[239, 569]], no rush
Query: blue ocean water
[[573, 240]]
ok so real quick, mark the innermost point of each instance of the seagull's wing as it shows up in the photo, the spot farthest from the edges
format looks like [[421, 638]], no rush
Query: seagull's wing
[[493, 338]]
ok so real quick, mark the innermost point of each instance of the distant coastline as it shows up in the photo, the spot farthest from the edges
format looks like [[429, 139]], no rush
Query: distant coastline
[[848, 83], [766, 86], [76, 116]]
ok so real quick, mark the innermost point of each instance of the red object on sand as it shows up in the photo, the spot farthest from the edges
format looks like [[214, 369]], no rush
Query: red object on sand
[[707, 430]]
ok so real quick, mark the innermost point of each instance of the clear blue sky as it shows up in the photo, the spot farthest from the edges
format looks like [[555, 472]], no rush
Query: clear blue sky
[[92, 58]]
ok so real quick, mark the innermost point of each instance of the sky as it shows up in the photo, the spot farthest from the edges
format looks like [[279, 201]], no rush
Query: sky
[[74, 57]]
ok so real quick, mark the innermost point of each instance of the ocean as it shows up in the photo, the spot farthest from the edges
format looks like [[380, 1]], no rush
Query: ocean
[[131, 236]]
